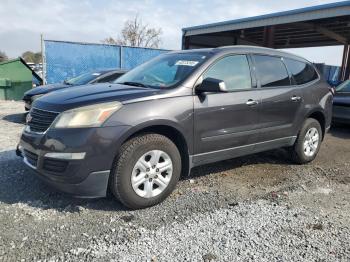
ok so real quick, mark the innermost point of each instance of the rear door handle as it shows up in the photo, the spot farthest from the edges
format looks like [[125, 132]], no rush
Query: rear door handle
[[252, 102], [295, 98]]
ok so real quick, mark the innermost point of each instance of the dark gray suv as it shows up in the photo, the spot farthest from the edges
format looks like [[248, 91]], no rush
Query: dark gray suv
[[135, 137]]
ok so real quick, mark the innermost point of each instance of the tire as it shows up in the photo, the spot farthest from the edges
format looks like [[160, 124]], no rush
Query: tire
[[299, 152], [127, 167]]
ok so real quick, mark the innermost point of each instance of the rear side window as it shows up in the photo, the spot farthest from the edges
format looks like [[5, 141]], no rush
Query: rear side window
[[233, 70], [302, 73], [271, 71]]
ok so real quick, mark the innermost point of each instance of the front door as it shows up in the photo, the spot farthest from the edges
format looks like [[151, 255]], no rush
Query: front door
[[280, 101], [225, 124]]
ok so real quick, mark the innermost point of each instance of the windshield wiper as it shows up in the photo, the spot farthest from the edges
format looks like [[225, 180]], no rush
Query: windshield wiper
[[130, 83]]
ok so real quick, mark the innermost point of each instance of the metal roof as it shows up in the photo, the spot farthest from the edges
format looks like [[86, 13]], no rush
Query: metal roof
[[242, 49], [309, 13]]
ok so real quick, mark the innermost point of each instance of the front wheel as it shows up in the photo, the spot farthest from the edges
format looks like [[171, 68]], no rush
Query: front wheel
[[308, 142], [146, 171]]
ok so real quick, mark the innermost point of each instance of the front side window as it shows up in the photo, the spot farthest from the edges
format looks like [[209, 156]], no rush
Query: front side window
[[302, 73], [164, 71], [233, 70], [271, 71]]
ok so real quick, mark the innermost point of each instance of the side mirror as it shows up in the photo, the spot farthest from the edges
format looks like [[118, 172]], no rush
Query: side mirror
[[212, 85]]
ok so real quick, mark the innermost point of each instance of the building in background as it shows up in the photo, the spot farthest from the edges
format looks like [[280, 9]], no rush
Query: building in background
[[16, 77], [315, 26]]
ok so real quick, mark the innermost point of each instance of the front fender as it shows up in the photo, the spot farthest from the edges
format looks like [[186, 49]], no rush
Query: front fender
[[174, 112]]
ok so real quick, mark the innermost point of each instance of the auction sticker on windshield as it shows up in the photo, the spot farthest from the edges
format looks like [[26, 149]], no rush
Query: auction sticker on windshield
[[186, 63]]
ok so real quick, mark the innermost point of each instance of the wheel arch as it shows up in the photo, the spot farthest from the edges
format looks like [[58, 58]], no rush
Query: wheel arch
[[170, 130], [319, 115]]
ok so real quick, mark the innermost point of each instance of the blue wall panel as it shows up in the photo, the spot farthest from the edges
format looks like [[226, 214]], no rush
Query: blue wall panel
[[134, 56], [67, 59]]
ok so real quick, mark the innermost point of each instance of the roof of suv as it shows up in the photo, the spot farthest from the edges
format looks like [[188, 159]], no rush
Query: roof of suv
[[245, 49]]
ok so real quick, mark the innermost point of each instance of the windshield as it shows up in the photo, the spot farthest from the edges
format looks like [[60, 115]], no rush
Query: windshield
[[83, 79], [164, 71], [343, 87]]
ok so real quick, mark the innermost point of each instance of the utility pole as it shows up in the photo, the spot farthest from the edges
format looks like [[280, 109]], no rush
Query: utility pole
[[43, 60]]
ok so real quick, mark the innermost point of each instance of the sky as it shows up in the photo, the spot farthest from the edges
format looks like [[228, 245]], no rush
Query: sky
[[22, 21]]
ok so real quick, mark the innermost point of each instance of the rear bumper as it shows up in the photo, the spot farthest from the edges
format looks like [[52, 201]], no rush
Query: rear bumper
[[85, 177], [341, 120], [341, 114]]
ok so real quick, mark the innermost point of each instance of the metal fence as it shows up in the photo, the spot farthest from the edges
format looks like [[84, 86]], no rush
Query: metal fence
[[64, 60]]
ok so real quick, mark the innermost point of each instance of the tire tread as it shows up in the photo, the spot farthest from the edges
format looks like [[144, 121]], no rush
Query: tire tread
[[295, 154], [125, 153]]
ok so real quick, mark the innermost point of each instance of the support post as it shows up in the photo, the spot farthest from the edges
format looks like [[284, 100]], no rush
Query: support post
[[43, 59], [121, 57], [344, 72], [347, 66], [235, 40], [269, 36], [185, 42]]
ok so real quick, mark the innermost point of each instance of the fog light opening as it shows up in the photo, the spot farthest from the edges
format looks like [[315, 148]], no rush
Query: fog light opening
[[66, 156]]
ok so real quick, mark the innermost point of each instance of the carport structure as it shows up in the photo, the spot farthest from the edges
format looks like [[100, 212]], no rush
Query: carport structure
[[317, 26]]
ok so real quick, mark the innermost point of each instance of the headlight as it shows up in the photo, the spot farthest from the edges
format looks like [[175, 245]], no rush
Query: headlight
[[87, 116], [36, 97]]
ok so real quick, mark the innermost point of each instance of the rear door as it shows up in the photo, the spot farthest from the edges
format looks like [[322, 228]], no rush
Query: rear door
[[280, 100], [225, 123]]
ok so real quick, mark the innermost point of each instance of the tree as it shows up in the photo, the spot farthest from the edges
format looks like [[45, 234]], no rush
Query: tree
[[135, 33], [3, 56], [31, 57]]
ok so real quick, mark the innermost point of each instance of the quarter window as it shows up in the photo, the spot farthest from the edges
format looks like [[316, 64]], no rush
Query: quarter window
[[233, 70], [271, 71], [302, 73]]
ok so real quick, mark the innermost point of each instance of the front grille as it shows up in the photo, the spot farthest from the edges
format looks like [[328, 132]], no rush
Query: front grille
[[54, 165], [40, 120], [31, 157]]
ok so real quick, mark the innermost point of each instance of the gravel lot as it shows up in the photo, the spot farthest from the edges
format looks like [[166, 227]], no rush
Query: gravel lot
[[260, 207]]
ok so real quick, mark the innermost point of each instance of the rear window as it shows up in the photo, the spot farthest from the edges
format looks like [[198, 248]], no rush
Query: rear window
[[271, 71], [302, 72]]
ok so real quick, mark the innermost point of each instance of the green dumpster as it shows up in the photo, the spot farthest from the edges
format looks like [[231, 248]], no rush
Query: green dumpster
[[16, 78], [4, 85]]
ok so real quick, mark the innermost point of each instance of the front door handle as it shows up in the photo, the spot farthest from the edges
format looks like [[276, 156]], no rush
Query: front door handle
[[252, 102], [295, 98]]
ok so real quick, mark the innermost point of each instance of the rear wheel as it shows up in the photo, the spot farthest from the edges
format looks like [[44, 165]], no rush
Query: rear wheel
[[146, 171], [308, 142]]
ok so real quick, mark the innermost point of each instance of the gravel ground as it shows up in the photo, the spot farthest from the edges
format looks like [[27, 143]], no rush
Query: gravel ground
[[256, 208]]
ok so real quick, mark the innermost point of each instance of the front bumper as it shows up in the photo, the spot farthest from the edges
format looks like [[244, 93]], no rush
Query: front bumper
[[87, 177]]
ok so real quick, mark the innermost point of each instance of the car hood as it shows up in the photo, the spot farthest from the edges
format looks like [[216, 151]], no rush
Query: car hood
[[44, 89], [341, 99], [69, 98]]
